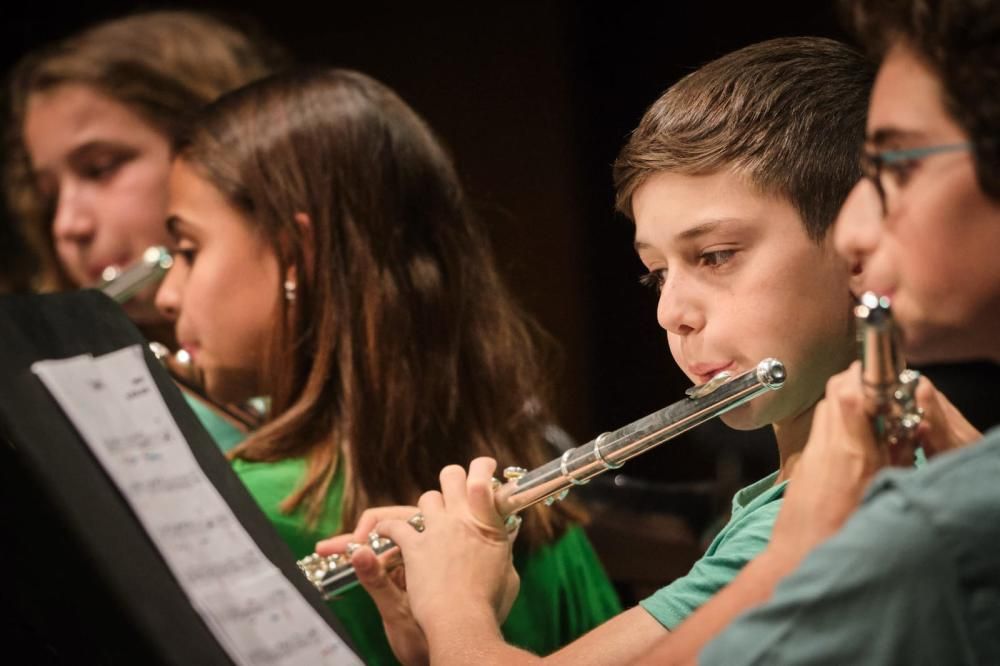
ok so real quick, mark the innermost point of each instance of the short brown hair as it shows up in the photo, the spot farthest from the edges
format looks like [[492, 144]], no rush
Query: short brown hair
[[959, 40], [787, 114], [164, 66], [402, 344]]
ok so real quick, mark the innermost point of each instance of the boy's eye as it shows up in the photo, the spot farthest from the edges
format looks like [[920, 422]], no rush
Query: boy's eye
[[900, 171], [186, 253], [654, 279], [716, 257]]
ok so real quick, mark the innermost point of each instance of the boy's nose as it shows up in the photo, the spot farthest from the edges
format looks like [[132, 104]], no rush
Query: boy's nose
[[678, 310]]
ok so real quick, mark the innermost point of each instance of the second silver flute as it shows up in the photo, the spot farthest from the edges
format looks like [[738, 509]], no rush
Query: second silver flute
[[550, 482]]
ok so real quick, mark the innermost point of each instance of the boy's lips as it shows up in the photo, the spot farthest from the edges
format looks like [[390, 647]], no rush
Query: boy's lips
[[705, 371]]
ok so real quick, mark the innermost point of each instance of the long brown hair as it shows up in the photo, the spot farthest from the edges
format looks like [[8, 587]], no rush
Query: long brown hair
[[164, 66], [402, 351]]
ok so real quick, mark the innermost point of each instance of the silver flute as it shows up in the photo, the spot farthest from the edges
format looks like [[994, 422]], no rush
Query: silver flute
[[551, 482], [122, 284], [884, 376]]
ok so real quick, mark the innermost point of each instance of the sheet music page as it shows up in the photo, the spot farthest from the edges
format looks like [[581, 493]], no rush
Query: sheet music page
[[252, 609]]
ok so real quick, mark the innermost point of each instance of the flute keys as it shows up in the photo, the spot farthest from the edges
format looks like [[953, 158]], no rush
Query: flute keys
[[378, 543], [512, 523], [513, 473], [558, 497]]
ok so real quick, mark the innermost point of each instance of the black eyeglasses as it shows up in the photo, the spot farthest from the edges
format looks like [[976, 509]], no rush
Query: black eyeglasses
[[873, 165]]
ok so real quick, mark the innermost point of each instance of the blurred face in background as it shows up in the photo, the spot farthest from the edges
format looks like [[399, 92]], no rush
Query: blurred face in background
[[103, 172]]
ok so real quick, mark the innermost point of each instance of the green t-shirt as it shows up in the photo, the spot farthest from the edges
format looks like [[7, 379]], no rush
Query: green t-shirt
[[564, 590], [755, 509]]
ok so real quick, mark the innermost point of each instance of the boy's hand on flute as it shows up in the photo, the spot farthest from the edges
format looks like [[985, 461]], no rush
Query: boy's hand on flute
[[462, 561], [942, 428], [386, 585], [842, 455], [829, 480], [459, 567]]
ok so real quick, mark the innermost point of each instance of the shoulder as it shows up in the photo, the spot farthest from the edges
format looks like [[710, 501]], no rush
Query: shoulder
[[956, 496], [289, 470], [270, 482]]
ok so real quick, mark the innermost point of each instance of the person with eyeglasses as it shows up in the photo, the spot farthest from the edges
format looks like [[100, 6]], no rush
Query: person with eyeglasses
[[888, 170], [899, 567]]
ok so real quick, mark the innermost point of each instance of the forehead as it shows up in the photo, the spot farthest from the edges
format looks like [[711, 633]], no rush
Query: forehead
[[72, 114], [668, 204], [907, 98]]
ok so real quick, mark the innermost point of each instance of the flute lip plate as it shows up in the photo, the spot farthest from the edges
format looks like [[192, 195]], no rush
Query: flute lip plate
[[704, 389]]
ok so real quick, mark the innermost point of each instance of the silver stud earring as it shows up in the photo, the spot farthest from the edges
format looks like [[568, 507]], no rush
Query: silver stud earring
[[289, 290]]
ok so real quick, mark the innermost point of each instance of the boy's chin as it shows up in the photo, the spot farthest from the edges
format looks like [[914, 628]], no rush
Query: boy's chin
[[744, 417]]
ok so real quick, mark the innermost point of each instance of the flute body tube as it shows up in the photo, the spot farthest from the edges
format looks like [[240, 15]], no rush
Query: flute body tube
[[885, 379], [550, 482], [121, 285]]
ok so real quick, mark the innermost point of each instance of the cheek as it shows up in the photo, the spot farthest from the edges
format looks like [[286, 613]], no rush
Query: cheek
[[674, 343], [251, 313], [137, 203]]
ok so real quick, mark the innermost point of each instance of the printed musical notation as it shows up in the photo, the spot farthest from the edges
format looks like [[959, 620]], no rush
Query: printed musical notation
[[252, 609]]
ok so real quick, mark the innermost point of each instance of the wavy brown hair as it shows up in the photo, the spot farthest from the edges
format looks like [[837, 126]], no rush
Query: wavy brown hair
[[403, 351], [164, 66], [959, 40]]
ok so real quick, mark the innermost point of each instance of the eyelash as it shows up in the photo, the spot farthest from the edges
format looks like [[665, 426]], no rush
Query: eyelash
[[711, 260], [101, 169], [721, 258], [187, 254], [653, 279], [901, 171]]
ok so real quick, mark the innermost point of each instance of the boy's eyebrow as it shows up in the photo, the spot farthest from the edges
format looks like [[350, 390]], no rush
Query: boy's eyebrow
[[699, 230], [891, 135], [692, 233]]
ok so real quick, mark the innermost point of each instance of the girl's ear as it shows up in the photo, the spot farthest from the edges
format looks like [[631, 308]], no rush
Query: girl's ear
[[307, 250]]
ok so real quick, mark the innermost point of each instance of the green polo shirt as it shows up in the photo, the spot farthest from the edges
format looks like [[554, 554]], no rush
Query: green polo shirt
[[755, 509]]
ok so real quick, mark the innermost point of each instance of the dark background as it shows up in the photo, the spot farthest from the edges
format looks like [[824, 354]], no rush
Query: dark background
[[534, 99]]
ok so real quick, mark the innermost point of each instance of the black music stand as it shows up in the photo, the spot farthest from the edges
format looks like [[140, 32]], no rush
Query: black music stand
[[81, 580]]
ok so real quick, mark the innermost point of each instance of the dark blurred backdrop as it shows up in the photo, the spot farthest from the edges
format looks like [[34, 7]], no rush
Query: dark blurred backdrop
[[534, 100]]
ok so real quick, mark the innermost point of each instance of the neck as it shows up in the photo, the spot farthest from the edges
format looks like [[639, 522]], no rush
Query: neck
[[792, 435]]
